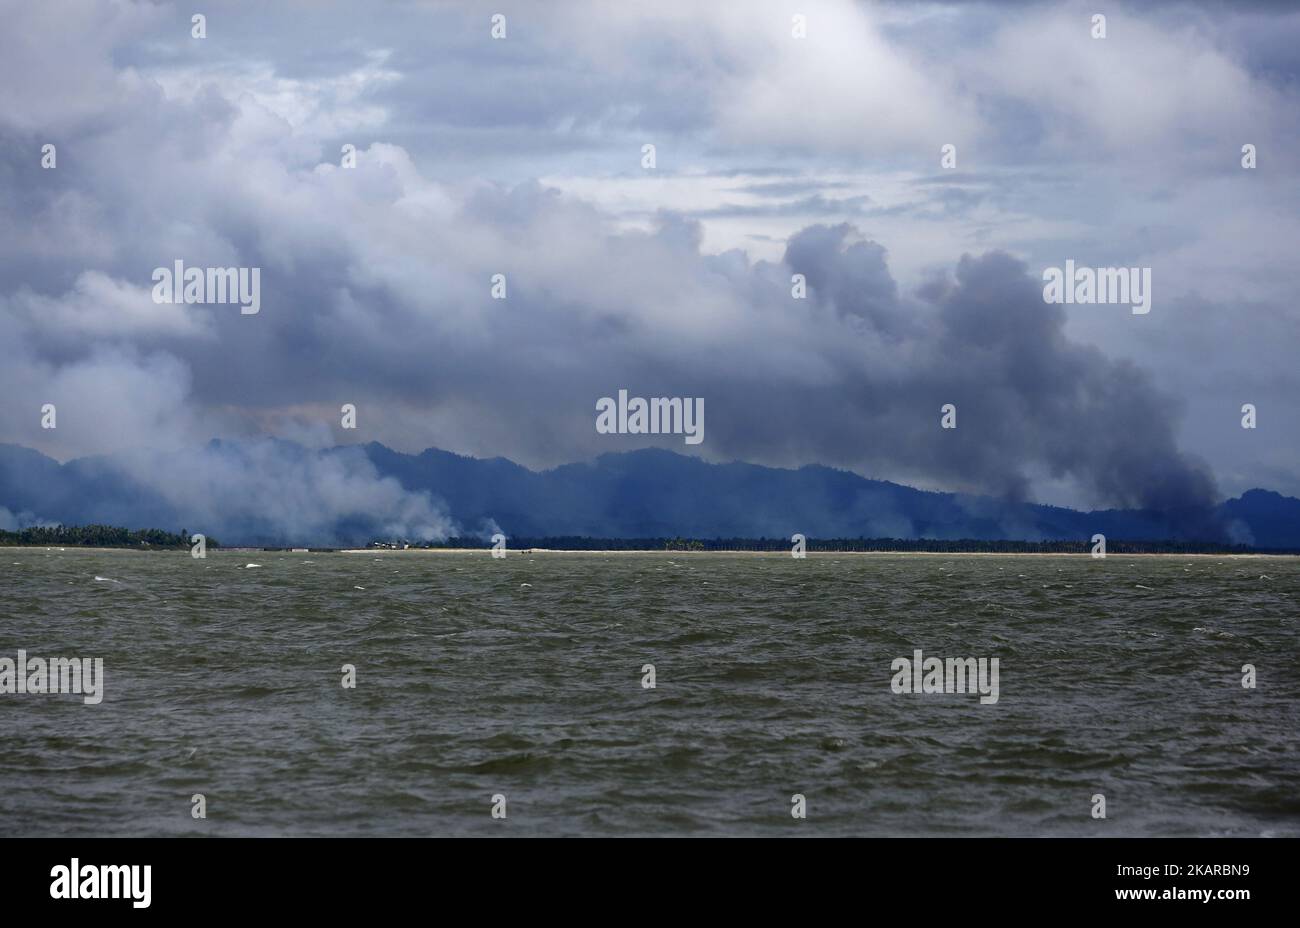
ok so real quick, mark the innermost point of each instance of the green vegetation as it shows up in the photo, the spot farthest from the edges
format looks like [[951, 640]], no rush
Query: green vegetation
[[99, 536], [108, 536]]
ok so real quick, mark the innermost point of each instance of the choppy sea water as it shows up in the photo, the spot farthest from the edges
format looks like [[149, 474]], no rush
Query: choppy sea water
[[523, 677]]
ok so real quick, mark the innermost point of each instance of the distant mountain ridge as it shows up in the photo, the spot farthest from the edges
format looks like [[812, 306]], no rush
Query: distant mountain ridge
[[637, 494], [655, 493]]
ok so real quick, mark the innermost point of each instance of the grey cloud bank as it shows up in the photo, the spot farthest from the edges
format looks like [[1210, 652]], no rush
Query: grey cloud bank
[[375, 281]]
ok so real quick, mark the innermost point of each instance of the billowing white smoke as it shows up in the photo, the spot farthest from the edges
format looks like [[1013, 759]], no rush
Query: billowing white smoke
[[273, 492]]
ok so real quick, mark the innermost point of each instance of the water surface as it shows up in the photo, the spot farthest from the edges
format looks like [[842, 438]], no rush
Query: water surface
[[523, 677]]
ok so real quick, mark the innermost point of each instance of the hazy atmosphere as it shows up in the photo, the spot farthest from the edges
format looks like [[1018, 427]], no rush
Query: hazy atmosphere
[[521, 152], [768, 418]]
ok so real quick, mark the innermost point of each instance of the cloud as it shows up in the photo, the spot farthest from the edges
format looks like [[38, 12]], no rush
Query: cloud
[[57, 71], [269, 491], [99, 307], [14, 521], [376, 279], [1153, 89]]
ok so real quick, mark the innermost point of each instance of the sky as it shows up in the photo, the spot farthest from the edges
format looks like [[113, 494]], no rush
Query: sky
[[775, 154]]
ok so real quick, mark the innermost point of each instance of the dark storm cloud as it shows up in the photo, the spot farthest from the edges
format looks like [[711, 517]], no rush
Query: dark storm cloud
[[376, 280], [854, 278], [395, 316], [1028, 399], [1038, 397]]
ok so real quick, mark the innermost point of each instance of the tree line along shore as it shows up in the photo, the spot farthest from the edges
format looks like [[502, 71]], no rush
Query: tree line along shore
[[98, 536], [107, 536]]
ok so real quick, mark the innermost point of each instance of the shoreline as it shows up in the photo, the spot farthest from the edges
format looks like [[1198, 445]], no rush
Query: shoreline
[[515, 552], [810, 554]]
